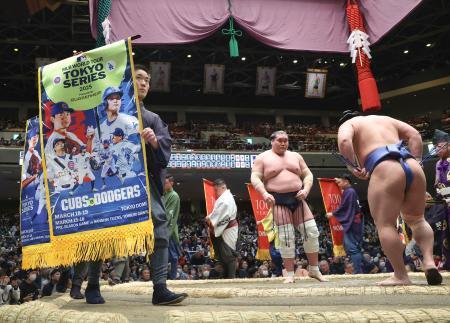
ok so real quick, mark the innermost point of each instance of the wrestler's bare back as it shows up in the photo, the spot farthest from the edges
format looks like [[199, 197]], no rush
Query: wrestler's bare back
[[367, 135], [281, 172]]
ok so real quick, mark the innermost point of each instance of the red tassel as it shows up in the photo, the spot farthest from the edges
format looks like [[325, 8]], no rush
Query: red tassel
[[368, 90]]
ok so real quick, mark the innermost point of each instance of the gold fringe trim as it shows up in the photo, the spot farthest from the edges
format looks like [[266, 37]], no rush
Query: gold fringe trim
[[39, 255], [400, 315], [263, 254], [102, 244], [339, 251]]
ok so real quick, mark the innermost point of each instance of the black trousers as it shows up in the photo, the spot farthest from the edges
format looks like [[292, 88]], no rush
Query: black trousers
[[226, 255]]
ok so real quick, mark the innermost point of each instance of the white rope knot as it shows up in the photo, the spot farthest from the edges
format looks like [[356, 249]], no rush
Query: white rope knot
[[106, 24], [357, 41]]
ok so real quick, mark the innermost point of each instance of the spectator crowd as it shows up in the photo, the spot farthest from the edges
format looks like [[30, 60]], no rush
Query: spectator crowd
[[218, 136], [222, 136], [18, 286]]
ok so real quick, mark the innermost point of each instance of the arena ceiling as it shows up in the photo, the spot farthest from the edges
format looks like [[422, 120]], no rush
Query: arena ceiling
[[418, 44]]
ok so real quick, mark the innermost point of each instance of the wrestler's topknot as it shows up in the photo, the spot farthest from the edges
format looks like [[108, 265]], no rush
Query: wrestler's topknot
[[276, 133], [347, 115]]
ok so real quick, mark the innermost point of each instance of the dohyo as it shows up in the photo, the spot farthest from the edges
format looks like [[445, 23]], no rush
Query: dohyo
[[119, 194]]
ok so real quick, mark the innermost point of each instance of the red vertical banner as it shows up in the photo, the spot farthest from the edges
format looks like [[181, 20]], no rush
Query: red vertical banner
[[331, 194], [260, 211], [210, 200]]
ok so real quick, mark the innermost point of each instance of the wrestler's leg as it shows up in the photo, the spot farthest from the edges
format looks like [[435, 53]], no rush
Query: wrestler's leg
[[385, 195], [283, 219], [413, 213], [304, 222]]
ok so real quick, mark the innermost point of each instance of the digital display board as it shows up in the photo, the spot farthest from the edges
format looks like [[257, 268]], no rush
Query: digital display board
[[211, 161]]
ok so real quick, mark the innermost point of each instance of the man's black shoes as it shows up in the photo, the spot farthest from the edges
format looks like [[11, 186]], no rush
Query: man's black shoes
[[75, 292], [163, 296], [93, 295]]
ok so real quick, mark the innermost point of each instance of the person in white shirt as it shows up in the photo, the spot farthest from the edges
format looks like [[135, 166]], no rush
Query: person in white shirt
[[224, 227], [9, 291]]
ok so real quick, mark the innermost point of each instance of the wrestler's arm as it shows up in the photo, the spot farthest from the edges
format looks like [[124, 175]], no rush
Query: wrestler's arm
[[409, 133], [345, 141], [257, 175], [345, 144], [256, 180], [306, 175]]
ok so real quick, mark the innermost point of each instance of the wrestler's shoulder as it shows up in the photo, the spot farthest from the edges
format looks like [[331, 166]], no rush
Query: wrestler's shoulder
[[294, 154], [264, 154]]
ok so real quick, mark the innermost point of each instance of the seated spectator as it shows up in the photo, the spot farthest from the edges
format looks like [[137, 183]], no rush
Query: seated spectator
[[337, 266], [28, 289], [242, 271], [198, 258], [368, 267], [217, 271], [50, 287], [253, 272], [145, 275], [134, 272], [206, 271], [9, 291], [382, 266], [324, 267], [348, 268], [181, 275], [193, 274], [263, 271]]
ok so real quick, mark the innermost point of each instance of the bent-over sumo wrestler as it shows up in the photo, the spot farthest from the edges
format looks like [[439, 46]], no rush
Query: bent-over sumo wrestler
[[284, 180], [397, 184]]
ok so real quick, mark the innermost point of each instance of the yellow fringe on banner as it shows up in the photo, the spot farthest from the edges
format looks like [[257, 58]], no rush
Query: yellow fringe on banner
[[263, 254], [102, 244], [339, 251], [36, 256]]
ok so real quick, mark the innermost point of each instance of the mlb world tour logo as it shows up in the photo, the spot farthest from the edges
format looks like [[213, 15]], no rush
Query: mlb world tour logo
[[84, 73]]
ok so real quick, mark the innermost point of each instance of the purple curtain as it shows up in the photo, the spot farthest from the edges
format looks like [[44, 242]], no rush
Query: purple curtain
[[316, 25], [165, 22]]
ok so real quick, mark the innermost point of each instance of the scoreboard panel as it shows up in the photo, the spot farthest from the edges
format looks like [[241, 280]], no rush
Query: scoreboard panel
[[192, 160]]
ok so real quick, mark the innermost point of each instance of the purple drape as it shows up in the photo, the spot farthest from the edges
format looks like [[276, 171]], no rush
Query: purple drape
[[316, 25]]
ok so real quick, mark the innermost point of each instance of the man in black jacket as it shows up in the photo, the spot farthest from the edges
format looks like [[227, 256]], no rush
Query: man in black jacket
[[158, 148]]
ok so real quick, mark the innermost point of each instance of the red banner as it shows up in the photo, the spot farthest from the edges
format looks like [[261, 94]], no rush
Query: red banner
[[210, 200], [331, 194], [260, 211]]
